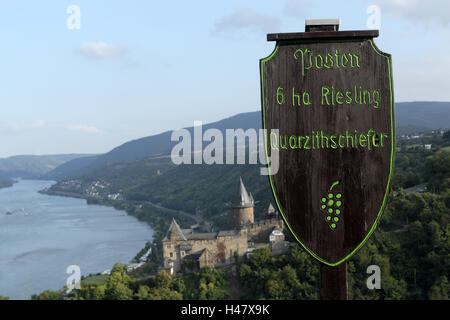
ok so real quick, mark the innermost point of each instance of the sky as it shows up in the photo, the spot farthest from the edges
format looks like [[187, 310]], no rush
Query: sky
[[84, 76]]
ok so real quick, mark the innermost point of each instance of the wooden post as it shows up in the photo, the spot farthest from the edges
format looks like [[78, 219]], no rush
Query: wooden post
[[333, 282]]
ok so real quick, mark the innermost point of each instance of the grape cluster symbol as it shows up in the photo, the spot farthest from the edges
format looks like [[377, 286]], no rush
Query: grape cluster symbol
[[331, 205]]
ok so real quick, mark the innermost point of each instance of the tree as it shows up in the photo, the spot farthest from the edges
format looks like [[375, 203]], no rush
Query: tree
[[440, 290], [290, 276], [143, 293], [159, 287], [208, 284], [90, 292], [446, 136], [437, 171], [164, 294], [48, 295], [117, 286]]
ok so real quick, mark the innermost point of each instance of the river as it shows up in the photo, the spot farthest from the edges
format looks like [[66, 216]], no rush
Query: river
[[46, 234]]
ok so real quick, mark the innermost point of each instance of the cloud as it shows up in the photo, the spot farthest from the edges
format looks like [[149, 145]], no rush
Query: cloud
[[84, 128], [428, 12], [101, 50], [14, 127], [38, 124], [247, 19], [297, 8]]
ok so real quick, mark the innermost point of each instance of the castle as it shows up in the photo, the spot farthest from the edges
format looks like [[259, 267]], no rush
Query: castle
[[187, 250]]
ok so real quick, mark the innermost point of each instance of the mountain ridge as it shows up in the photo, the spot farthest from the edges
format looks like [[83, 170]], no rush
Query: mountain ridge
[[33, 166], [420, 115]]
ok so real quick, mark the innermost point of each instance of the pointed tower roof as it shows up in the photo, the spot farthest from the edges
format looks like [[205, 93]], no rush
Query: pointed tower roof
[[174, 232], [270, 210], [242, 199]]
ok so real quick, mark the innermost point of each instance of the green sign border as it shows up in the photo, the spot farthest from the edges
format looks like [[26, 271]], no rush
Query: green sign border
[[380, 212]]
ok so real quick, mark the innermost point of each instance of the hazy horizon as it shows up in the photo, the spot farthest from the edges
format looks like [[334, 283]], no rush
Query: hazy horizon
[[168, 129]]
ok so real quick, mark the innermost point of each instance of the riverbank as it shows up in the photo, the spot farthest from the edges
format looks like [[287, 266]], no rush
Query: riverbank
[[58, 232], [6, 182], [157, 217]]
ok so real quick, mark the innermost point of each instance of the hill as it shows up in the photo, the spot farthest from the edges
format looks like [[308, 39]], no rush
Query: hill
[[411, 117], [70, 168], [433, 115], [142, 148], [206, 189], [31, 166], [410, 244]]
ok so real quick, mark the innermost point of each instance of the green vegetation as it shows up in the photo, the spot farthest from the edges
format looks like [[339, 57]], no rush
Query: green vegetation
[[204, 189], [96, 280], [208, 284], [414, 164], [48, 295], [290, 276], [414, 259], [411, 249], [411, 245], [204, 285], [437, 171], [120, 286]]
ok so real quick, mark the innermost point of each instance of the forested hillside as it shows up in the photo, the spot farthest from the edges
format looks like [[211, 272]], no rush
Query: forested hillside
[[410, 117], [413, 255], [411, 244], [208, 188]]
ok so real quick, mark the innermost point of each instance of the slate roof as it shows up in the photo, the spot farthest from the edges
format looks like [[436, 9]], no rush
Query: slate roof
[[174, 227], [227, 233], [195, 256], [202, 236], [187, 234], [270, 210], [242, 199]]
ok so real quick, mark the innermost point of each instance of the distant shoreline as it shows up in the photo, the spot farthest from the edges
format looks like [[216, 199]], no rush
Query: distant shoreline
[[62, 194], [99, 202], [78, 219], [7, 182]]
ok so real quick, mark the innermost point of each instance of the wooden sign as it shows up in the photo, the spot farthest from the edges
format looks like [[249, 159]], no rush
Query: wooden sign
[[328, 107]]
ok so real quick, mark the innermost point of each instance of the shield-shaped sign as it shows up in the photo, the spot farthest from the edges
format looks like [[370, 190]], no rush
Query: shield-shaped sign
[[328, 108]]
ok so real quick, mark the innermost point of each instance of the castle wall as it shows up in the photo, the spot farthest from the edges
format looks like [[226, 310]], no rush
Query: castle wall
[[220, 250], [260, 231], [171, 252]]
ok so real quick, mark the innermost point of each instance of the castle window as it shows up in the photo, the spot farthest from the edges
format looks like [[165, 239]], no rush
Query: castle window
[[171, 254], [168, 246]]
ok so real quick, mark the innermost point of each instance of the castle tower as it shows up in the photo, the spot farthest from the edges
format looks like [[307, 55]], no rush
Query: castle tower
[[174, 233], [242, 207], [271, 212]]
